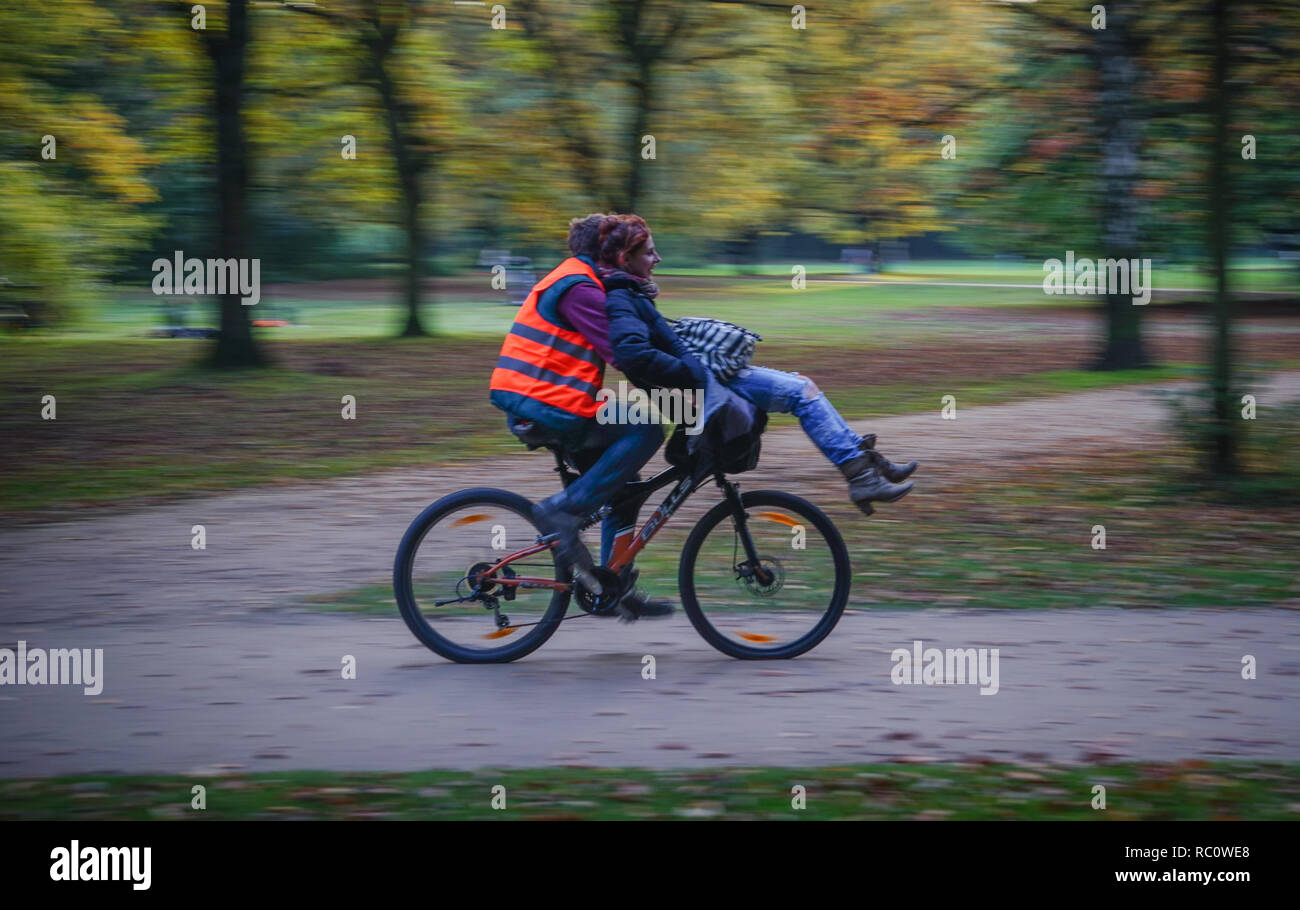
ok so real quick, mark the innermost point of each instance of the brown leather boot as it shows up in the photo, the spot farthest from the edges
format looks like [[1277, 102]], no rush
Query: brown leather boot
[[894, 473], [867, 482]]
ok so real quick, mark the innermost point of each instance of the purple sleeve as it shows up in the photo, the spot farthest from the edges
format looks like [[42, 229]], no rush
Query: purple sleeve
[[583, 307]]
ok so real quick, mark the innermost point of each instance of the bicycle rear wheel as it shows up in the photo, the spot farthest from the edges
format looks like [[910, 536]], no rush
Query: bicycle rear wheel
[[807, 571], [450, 542]]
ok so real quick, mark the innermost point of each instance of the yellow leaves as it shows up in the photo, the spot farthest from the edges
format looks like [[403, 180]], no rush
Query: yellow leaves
[[114, 160], [58, 241], [881, 89], [88, 137]]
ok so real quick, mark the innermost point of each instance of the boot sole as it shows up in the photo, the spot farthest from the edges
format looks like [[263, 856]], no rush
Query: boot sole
[[901, 476], [898, 497], [865, 505]]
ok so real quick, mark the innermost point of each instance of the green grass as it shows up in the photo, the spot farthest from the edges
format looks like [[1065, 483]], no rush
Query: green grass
[[1247, 274], [760, 298], [296, 445], [885, 400], [845, 311], [137, 420], [1023, 537], [959, 791]]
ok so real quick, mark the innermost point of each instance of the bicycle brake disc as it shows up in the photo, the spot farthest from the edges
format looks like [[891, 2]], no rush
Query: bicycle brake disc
[[749, 581]]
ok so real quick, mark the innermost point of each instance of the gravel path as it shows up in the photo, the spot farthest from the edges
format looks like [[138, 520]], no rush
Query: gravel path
[[203, 670]]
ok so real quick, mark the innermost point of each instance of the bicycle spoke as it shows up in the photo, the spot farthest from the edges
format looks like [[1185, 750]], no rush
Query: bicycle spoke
[[451, 596], [777, 597]]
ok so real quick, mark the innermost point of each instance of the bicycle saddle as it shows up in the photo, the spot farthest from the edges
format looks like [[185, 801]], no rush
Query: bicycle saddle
[[534, 435]]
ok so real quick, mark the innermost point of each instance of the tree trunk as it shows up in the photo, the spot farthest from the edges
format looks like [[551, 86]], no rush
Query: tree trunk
[[1121, 128], [410, 169], [414, 265], [643, 97], [571, 99], [1223, 442], [235, 345]]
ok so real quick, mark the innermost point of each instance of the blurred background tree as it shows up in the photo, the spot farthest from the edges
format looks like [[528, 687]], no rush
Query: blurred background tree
[[74, 182], [225, 41], [737, 127], [881, 95], [1084, 145]]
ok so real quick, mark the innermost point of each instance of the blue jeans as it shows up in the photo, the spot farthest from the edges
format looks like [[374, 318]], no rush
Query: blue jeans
[[790, 393], [608, 455]]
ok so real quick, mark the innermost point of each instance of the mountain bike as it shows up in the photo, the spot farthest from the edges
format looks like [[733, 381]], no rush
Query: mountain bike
[[763, 574]]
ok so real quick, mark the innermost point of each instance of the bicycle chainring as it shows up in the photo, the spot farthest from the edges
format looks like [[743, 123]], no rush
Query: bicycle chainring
[[610, 595]]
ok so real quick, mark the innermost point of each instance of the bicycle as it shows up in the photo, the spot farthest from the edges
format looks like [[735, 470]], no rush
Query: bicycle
[[780, 600]]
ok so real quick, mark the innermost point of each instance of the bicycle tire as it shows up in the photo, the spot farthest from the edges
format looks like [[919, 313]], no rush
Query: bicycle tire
[[403, 588], [839, 597]]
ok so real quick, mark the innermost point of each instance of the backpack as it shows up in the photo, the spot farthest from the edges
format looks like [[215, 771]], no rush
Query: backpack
[[735, 457], [723, 347]]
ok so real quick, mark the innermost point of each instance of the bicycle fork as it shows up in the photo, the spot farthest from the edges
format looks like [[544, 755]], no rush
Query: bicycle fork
[[752, 566]]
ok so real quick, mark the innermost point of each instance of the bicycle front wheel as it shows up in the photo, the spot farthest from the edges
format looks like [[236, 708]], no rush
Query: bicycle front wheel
[[781, 611]]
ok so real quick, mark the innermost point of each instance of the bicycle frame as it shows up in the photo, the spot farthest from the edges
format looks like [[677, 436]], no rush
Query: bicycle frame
[[638, 492]]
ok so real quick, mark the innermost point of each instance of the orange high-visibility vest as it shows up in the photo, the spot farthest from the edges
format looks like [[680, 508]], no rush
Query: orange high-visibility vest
[[545, 361]]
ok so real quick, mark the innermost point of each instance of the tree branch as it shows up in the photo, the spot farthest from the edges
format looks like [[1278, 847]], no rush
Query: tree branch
[[1056, 22]]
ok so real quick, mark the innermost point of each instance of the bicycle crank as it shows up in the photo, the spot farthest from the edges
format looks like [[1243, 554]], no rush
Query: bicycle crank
[[611, 593]]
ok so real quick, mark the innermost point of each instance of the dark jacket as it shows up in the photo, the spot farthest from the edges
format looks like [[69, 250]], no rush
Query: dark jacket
[[648, 351]]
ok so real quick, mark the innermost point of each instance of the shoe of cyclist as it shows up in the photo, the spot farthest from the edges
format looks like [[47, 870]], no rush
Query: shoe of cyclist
[[894, 473], [867, 483], [636, 604], [568, 545]]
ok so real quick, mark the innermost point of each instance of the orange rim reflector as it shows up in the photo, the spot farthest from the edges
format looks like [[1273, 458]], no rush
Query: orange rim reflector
[[754, 636], [502, 633], [469, 520], [778, 518]]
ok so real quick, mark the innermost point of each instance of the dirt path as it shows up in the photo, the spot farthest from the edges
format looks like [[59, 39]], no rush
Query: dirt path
[[201, 670]]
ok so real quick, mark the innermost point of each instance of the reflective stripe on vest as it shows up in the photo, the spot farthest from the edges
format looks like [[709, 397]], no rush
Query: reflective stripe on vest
[[555, 341], [547, 362]]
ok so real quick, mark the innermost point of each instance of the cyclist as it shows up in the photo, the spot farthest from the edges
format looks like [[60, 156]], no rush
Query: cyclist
[[652, 356], [549, 372]]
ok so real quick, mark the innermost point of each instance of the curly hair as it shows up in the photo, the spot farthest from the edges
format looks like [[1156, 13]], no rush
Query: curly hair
[[621, 235]]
